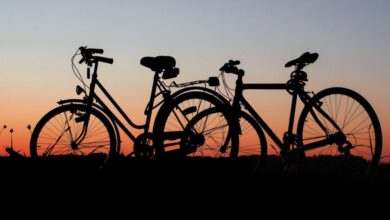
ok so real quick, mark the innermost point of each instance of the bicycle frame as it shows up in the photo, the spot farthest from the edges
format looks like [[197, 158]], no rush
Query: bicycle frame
[[288, 138], [158, 85], [103, 107]]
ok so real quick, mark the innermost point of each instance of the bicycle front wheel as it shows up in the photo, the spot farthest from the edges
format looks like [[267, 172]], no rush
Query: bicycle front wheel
[[212, 126], [253, 144], [71, 131], [358, 131], [173, 118], [207, 135]]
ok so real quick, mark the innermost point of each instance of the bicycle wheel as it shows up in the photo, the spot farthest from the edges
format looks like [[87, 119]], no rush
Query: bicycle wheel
[[253, 144], [59, 134], [207, 135], [174, 117], [360, 132]]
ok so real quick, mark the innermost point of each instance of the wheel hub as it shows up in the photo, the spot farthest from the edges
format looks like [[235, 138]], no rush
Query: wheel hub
[[143, 146], [74, 146], [339, 138]]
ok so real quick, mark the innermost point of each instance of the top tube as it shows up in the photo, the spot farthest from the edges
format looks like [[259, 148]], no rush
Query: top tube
[[274, 86]]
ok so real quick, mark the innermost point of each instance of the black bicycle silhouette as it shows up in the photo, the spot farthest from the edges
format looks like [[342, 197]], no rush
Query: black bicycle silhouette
[[335, 121], [87, 127]]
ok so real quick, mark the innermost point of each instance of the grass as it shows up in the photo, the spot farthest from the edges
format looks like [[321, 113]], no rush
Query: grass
[[193, 184], [319, 170]]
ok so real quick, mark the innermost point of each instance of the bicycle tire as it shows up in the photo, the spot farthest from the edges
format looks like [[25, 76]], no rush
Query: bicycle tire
[[357, 111], [63, 121], [252, 142], [212, 126], [167, 119]]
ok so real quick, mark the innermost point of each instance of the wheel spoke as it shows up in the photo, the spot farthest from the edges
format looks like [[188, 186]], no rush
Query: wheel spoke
[[57, 131], [356, 119]]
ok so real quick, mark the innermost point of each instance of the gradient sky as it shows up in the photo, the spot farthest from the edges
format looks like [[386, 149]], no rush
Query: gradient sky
[[39, 37]]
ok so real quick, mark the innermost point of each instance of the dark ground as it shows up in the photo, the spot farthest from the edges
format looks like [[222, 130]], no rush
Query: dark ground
[[195, 182], [196, 173]]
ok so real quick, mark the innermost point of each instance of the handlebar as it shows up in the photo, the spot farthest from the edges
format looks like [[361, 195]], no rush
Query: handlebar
[[104, 59], [95, 50], [89, 58], [230, 67]]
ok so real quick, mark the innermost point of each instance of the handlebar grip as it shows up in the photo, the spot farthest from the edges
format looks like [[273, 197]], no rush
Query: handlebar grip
[[104, 59], [82, 60], [95, 50]]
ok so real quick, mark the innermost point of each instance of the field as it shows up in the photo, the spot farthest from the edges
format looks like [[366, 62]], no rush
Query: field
[[193, 184], [331, 173]]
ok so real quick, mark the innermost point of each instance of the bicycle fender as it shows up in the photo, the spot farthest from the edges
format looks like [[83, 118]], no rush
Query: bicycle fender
[[81, 101], [66, 101]]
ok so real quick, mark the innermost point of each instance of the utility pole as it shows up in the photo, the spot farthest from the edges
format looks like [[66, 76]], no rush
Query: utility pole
[[12, 145]]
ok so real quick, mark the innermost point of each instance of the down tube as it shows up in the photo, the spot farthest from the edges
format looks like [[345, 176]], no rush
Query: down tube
[[112, 116], [262, 123]]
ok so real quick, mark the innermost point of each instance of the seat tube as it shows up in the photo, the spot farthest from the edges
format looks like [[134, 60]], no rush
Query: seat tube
[[292, 114], [151, 103]]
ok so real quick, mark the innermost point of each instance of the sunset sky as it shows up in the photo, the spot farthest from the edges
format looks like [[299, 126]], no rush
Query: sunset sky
[[39, 37]]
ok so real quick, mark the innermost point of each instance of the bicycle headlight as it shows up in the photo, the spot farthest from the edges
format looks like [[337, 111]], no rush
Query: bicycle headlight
[[79, 90]]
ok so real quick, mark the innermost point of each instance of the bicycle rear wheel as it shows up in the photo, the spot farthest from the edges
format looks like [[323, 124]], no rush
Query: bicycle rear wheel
[[56, 135], [211, 126], [207, 135], [359, 133], [174, 117]]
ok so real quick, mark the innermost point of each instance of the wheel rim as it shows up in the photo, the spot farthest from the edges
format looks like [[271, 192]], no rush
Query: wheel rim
[[176, 117], [250, 144], [253, 145], [212, 128], [57, 137], [356, 120]]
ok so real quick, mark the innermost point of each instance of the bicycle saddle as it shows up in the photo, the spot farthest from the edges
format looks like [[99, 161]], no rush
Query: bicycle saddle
[[158, 64], [304, 59]]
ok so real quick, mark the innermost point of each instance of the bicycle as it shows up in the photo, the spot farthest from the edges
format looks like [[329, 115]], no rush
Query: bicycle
[[335, 121], [88, 127]]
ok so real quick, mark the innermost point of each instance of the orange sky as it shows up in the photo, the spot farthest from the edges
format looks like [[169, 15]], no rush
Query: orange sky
[[38, 39]]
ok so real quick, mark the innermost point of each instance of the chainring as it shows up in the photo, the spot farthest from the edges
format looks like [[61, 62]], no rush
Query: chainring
[[143, 146]]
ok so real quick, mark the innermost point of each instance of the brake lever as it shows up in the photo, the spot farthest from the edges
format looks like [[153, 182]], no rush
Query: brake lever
[[223, 68]]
